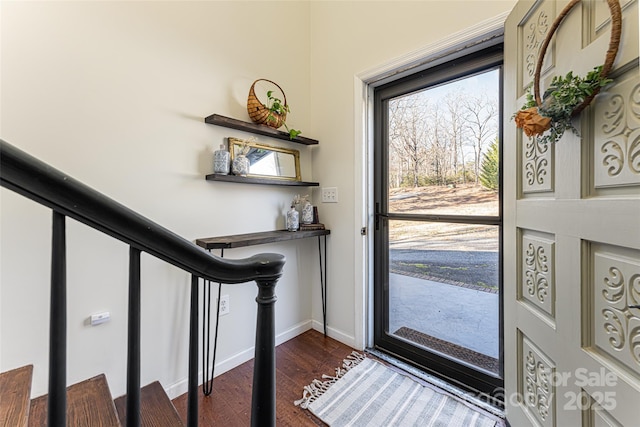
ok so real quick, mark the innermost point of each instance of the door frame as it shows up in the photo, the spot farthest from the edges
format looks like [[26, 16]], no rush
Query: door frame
[[454, 371], [476, 37]]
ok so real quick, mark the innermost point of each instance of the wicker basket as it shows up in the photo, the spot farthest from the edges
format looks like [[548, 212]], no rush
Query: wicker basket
[[259, 113]]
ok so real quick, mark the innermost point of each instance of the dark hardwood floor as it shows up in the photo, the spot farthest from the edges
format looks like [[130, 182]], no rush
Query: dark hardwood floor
[[298, 362]]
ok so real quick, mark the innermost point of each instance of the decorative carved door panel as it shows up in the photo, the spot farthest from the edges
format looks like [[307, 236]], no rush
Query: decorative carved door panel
[[572, 228]]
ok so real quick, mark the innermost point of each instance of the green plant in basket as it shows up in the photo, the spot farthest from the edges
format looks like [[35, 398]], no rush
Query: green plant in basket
[[275, 105], [558, 104]]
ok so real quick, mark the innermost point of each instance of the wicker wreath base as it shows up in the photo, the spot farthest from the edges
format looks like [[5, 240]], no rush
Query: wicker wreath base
[[614, 43]]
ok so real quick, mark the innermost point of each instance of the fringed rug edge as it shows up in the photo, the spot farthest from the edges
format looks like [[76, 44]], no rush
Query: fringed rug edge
[[317, 387]]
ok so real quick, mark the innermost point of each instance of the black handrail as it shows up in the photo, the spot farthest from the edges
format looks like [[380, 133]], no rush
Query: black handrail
[[46, 185], [66, 196]]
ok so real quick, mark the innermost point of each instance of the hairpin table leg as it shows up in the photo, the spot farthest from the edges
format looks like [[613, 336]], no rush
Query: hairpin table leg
[[323, 281]]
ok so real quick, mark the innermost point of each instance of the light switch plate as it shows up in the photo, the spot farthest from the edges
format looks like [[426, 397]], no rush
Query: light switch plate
[[330, 195]]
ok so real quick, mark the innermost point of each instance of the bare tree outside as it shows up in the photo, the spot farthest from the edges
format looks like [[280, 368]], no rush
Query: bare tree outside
[[409, 129], [440, 136], [455, 126], [482, 123]]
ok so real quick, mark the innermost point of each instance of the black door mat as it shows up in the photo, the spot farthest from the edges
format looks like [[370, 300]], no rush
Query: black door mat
[[456, 351]]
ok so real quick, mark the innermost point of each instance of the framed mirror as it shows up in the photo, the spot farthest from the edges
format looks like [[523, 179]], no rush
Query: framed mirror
[[266, 161]]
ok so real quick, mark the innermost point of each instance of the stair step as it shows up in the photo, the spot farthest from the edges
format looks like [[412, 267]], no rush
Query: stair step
[[15, 396], [38, 412], [89, 404], [155, 407]]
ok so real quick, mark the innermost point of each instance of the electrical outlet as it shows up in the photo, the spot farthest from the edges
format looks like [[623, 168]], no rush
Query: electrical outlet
[[330, 195], [224, 305], [99, 318]]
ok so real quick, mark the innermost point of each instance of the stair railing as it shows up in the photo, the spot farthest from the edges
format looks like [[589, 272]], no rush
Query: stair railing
[[67, 197]]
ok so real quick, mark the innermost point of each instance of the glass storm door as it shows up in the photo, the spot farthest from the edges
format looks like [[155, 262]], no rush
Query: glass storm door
[[438, 220]]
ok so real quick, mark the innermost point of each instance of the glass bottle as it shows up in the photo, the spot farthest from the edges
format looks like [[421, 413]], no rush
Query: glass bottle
[[221, 161], [307, 213], [292, 219]]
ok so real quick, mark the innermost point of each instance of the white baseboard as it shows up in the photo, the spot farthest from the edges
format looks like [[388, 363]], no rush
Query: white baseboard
[[337, 335], [179, 388]]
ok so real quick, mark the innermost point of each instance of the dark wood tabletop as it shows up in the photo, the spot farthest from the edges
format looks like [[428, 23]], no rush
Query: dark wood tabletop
[[260, 238]]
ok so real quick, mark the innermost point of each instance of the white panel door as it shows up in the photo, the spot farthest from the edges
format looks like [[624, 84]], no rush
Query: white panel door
[[572, 229]]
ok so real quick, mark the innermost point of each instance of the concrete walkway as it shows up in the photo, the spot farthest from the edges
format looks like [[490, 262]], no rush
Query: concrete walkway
[[463, 316]]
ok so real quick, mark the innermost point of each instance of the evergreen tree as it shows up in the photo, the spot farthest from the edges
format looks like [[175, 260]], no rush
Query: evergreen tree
[[490, 168]]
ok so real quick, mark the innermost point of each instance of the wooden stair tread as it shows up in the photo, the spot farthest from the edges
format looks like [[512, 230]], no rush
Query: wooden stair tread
[[38, 412], [15, 392], [155, 407], [89, 404]]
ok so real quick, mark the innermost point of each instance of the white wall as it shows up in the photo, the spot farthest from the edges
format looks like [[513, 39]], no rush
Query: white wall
[[349, 39], [114, 93]]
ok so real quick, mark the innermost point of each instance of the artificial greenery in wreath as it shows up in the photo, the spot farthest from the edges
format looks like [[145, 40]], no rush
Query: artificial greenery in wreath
[[566, 96], [558, 104]]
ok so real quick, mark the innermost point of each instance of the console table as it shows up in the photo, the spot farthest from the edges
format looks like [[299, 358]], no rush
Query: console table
[[251, 239]]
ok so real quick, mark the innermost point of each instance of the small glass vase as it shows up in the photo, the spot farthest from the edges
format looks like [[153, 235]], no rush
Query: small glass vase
[[240, 165], [292, 219]]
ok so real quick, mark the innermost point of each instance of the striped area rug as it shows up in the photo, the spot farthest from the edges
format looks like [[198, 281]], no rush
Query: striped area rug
[[367, 393]]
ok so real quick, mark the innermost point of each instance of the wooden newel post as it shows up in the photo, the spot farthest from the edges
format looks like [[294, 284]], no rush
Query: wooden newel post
[[263, 398]]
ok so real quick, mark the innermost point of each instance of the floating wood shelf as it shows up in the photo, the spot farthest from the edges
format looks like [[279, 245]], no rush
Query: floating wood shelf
[[218, 120], [263, 181]]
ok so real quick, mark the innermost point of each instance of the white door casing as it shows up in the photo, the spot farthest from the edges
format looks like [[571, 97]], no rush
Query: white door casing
[[572, 228]]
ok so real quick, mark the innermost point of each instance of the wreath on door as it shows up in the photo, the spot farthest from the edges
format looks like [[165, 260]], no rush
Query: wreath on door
[[550, 116]]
